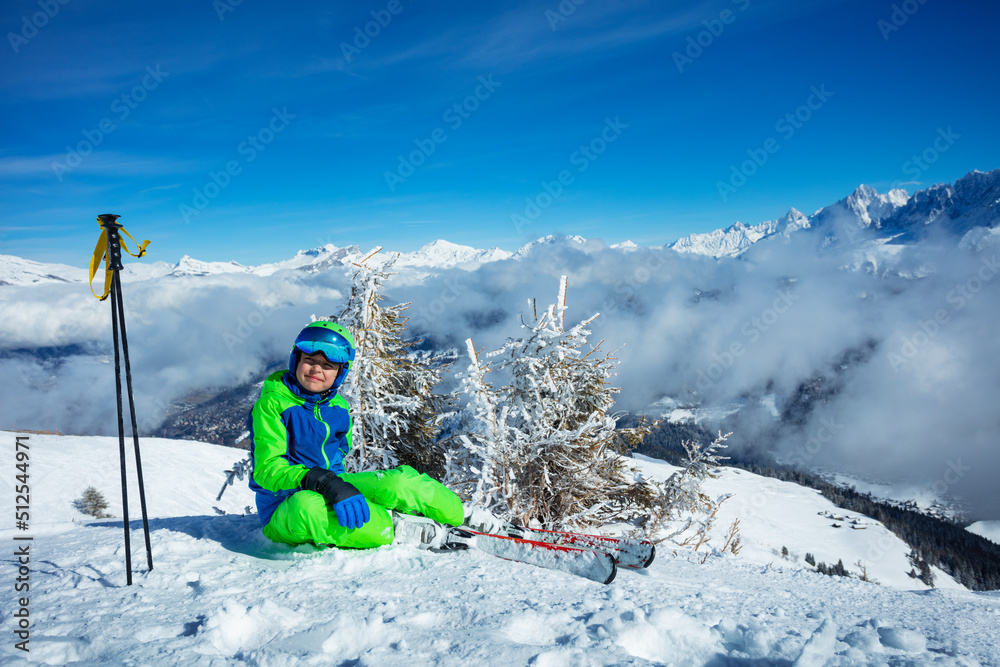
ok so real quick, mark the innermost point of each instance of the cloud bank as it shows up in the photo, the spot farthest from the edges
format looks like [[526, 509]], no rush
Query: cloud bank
[[831, 350]]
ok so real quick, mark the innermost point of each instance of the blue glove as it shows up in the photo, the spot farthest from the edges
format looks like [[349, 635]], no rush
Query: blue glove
[[353, 512], [350, 506]]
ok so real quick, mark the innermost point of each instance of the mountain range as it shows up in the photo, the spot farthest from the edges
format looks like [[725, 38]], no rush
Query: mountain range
[[972, 201], [969, 203], [876, 306]]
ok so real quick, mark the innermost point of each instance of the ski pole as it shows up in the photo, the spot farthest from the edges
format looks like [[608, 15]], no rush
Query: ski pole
[[109, 247]]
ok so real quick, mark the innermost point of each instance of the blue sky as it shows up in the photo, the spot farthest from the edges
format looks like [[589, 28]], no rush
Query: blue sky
[[248, 131]]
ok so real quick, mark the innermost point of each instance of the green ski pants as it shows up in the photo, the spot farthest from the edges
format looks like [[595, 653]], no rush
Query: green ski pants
[[305, 517]]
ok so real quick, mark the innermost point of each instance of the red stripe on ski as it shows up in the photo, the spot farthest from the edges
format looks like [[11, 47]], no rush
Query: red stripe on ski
[[629, 552], [552, 546], [587, 563]]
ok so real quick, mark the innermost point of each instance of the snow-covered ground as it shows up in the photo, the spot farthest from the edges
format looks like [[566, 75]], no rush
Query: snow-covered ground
[[221, 594], [775, 515]]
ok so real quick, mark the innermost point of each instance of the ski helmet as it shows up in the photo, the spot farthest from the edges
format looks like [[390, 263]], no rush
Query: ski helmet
[[332, 340]]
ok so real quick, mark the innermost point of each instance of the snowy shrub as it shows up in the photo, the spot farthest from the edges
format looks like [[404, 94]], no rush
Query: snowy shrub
[[681, 499], [239, 471], [544, 450], [92, 502], [733, 543], [864, 575]]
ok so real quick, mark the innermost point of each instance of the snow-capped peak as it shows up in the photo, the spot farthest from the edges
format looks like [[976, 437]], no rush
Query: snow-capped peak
[[188, 266], [549, 239], [870, 207], [313, 260], [971, 201], [18, 271], [864, 207], [793, 221], [444, 254], [727, 242]]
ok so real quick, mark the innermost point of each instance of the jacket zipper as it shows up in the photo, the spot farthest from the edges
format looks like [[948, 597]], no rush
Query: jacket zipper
[[322, 446]]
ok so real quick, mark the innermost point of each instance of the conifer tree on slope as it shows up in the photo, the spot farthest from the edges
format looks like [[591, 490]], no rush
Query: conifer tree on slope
[[396, 412], [548, 450]]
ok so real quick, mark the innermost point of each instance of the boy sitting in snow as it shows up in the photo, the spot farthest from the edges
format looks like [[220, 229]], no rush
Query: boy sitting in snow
[[300, 431]]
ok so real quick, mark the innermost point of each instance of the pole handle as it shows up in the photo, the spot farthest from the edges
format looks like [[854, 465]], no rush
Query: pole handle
[[109, 223], [109, 250]]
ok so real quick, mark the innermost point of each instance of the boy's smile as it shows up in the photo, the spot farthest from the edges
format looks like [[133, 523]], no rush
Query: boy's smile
[[315, 372]]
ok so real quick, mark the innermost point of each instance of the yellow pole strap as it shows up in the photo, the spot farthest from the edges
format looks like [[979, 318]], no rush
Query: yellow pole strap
[[101, 252]]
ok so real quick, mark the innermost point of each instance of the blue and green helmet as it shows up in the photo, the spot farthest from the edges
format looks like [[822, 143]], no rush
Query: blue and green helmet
[[332, 340]]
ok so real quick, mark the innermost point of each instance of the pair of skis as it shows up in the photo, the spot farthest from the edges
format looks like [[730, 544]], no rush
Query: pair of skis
[[594, 557]]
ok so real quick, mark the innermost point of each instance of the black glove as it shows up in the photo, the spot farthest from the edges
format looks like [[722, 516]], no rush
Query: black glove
[[351, 507]]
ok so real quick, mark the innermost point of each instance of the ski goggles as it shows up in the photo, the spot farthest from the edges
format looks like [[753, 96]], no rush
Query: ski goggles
[[332, 345]]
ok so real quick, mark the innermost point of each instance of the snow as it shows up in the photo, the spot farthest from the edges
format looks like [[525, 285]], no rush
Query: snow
[[220, 593], [864, 207], [738, 238], [966, 200], [314, 260], [551, 239], [910, 641], [871, 208], [438, 255], [188, 266], [727, 242], [443, 254], [979, 237], [139, 271], [768, 509], [18, 271], [593, 566], [965, 207]]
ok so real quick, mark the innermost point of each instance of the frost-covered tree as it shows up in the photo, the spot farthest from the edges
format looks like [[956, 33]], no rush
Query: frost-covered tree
[[546, 444], [390, 389], [681, 498], [92, 502], [477, 465], [240, 470]]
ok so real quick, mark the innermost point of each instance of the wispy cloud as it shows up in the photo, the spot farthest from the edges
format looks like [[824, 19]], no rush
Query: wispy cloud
[[28, 166], [108, 163], [753, 332], [172, 186], [524, 35]]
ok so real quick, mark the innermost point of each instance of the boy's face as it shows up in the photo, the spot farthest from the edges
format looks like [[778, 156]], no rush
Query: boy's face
[[315, 373]]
